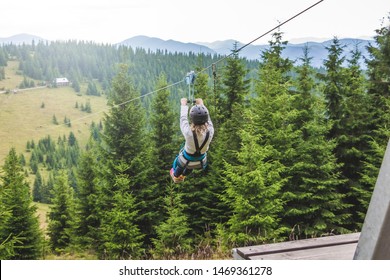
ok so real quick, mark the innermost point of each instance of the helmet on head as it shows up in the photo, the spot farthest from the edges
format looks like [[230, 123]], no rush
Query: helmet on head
[[199, 114]]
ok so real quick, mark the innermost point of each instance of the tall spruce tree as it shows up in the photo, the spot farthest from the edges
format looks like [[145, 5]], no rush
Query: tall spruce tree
[[162, 130], [123, 144], [270, 125], [160, 156], [231, 102], [121, 234], [172, 240], [379, 94], [122, 136], [61, 214], [252, 192], [236, 89], [353, 145], [335, 92], [22, 221], [272, 106], [379, 79], [87, 211], [312, 205], [124, 128], [334, 86], [37, 187], [292, 135]]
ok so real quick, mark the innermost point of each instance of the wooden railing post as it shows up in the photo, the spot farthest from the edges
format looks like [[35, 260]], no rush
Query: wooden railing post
[[374, 241]]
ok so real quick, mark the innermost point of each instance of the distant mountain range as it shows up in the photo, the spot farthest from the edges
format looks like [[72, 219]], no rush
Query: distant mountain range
[[317, 50], [172, 46], [20, 39]]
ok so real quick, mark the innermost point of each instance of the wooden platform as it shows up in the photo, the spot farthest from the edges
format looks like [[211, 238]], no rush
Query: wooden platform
[[337, 247]]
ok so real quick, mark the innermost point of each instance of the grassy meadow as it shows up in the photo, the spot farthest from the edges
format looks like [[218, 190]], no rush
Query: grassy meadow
[[12, 77], [28, 115]]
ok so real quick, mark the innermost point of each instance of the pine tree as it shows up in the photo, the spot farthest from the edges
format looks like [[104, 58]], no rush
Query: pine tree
[[61, 214], [335, 92], [2, 73], [236, 85], [34, 161], [349, 109], [3, 58], [272, 108], [72, 141], [287, 124], [354, 143], [92, 89], [121, 234], [162, 128], [201, 89], [172, 240], [87, 107], [22, 221], [273, 93], [379, 79], [253, 188], [267, 131], [235, 88], [312, 204], [47, 189], [123, 143], [87, 211], [123, 135], [54, 120], [76, 86], [37, 188], [379, 94], [161, 154], [334, 88]]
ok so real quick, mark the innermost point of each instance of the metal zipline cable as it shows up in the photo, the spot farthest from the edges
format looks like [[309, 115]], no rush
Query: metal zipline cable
[[114, 106], [204, 69], [261, 36]]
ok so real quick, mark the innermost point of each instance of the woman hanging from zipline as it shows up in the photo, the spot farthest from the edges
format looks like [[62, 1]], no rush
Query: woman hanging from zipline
[[197, 135]]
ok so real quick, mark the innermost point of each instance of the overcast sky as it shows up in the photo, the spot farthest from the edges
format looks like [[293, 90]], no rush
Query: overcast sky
[[112, 21]]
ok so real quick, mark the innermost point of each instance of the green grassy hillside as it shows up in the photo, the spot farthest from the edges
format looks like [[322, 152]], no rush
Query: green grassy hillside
[[28, 115], [13, 79]]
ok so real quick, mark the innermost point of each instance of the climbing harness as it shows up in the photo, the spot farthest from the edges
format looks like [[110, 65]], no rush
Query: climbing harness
[[199, 149], [196, 160]]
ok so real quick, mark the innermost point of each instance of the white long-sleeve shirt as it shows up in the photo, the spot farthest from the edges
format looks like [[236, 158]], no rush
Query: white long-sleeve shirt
[[187, 133]]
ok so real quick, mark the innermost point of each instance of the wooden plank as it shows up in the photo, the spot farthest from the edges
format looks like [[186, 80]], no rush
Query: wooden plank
[[304, 244], [338, 252]]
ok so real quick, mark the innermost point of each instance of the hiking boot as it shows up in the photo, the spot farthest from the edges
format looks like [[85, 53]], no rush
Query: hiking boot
[[176, 179]]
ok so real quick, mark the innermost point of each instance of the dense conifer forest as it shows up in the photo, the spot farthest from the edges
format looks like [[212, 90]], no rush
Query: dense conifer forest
[[296, 152]]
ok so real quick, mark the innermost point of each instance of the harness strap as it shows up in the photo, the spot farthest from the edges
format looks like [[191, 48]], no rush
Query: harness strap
[[193, 158], [197, 156], [198, 149]]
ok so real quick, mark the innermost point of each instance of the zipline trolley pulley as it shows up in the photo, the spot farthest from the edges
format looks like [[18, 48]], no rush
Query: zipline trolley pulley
[[190, 81]]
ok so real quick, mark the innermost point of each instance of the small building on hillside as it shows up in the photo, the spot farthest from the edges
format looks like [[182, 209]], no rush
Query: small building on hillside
[[61, 82]]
